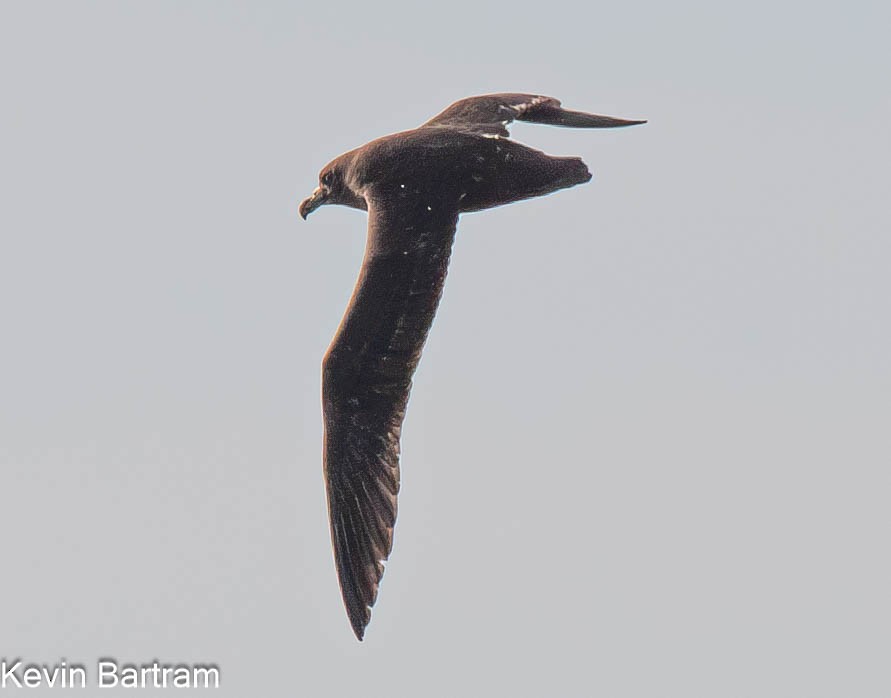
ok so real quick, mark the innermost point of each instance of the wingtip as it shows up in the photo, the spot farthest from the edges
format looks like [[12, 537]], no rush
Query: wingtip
[[630, 122], [358, 630], [359, 618]]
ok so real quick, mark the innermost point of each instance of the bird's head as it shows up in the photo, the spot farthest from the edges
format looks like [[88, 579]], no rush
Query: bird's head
[[333, 188], [330, 182]]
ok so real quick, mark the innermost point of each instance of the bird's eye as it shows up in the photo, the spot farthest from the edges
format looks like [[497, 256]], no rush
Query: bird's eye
[[328, 178]]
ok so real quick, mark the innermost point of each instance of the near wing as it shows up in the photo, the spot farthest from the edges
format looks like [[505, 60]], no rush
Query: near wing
[[490, 114], [366, 379]]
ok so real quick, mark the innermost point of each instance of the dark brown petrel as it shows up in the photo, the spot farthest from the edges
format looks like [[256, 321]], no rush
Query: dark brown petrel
[[414, 185]]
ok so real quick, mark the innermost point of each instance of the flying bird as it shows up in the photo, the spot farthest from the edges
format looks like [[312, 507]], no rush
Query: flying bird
[[414, 185]]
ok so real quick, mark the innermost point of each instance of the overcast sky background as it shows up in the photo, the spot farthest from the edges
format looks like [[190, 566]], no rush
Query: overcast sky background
[[647, 451]]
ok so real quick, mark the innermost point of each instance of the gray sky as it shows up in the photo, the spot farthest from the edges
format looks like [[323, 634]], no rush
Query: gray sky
[[647, 449]]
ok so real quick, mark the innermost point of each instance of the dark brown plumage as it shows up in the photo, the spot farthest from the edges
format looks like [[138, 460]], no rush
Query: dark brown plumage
[[414, 185]]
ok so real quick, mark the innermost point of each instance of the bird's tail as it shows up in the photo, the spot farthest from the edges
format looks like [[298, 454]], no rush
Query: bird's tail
[[514, 172]]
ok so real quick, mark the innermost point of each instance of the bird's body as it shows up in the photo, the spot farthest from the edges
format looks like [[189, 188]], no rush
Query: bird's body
[[476, 171], [413, 184]]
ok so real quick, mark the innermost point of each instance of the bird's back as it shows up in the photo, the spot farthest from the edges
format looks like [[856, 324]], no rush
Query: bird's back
[[479, 171]]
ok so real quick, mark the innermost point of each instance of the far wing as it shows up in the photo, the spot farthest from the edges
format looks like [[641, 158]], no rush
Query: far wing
[[366, 380], [490, 114]]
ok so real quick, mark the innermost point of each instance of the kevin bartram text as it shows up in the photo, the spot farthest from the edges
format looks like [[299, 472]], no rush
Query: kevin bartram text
[[107, 673]]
